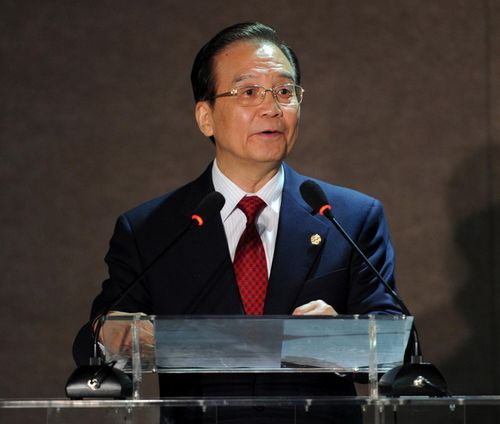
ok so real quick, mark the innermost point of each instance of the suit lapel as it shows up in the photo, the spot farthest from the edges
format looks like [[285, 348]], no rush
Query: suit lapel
[[296, 251]]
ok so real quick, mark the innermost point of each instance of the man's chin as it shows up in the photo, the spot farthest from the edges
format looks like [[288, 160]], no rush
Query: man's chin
[[273, 159], [270, 150]]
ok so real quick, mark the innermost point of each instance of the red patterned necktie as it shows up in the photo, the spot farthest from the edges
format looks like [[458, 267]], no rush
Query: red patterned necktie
[[250, 265]]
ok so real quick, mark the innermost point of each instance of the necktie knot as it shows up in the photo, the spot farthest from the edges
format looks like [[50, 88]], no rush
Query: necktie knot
[[251, 206]]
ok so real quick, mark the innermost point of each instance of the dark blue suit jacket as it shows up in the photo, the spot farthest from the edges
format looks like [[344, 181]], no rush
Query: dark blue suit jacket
[[196, 275]]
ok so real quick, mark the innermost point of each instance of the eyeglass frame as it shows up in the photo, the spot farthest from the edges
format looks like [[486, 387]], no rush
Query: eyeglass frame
[[234, 93]]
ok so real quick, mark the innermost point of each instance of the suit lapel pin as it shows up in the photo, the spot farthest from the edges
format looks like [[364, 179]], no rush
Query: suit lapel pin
[[315, 239]]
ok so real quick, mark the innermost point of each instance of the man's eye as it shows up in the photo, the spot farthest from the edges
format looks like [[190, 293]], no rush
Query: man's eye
[[284, 92], [249, 92]]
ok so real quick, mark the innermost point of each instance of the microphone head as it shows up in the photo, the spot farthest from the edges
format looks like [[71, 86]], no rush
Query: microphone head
[[210, 205], [315, 197]]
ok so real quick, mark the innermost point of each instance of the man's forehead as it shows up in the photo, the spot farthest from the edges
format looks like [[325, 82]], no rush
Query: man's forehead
[[248, 76], [246, 60], [266, 50]]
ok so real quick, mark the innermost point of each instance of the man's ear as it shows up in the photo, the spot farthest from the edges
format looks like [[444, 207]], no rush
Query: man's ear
[[203, 113]]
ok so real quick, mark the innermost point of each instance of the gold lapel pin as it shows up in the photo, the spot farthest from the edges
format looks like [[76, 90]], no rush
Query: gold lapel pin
[[315, 239]]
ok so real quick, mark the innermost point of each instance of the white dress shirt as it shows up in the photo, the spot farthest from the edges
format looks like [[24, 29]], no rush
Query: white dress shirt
[[234, 219]]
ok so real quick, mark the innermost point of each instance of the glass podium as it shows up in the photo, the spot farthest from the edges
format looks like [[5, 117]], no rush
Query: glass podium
[[370, 345], [140, 344]]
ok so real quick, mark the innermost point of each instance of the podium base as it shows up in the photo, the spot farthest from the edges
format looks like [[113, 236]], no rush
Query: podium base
[[414, 379], [98, 381]]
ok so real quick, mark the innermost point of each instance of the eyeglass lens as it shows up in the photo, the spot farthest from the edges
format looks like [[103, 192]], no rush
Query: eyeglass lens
[[287, 94]]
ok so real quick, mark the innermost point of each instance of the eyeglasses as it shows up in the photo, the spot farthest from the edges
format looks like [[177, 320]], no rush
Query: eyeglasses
[[253, 95]]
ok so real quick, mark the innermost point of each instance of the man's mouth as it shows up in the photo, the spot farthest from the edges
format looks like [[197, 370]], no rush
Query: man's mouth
[[270, 132]]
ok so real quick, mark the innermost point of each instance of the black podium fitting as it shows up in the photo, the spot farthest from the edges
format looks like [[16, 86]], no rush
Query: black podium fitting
[[99, 381]]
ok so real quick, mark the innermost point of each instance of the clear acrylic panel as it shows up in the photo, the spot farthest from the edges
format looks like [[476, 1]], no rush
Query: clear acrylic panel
[[343, 344]]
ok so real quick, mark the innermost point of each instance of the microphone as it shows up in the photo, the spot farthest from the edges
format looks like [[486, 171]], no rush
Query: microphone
[[415, 378], [98, 380]]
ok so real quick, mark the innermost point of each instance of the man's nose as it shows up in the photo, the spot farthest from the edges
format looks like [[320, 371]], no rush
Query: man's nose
[[270, 104]]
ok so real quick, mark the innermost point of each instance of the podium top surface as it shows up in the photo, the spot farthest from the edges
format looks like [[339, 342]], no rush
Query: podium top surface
[[344, 343]]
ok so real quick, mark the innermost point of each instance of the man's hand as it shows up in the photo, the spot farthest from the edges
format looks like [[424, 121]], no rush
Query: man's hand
[[316, 307], [116, 335]]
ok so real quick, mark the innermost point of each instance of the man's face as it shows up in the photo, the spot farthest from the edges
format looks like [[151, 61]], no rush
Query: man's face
[[250, 135]]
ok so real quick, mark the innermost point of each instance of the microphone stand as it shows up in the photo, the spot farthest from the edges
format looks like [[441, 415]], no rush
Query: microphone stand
[[103, 380], [416, 378]]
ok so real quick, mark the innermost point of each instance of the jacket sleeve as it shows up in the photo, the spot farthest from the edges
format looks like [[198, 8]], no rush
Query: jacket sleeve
[[124, 264], [366, 293]]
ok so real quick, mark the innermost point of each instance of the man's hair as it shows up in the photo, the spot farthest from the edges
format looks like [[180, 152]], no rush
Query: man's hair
[[202, 73]]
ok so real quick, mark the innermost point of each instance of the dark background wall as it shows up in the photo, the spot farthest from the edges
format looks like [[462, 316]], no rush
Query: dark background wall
[[402, 102]]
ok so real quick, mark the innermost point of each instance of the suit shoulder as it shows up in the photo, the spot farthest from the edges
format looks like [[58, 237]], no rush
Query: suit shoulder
[[165, 208], [147, 208], [334, 193], [353, 209], [150, 205], [175, 203], [338, 194]]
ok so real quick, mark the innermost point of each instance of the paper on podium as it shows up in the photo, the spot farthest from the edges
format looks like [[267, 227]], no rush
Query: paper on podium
[[218, 343], [339, 344], [342, 344]]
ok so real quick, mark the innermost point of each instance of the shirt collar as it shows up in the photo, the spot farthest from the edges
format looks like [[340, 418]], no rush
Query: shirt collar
[[270, 193]]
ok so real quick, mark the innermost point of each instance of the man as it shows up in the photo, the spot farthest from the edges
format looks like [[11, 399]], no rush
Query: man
[[246, 86]]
